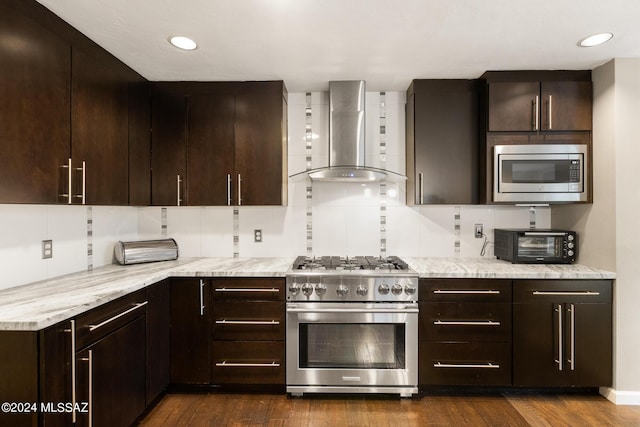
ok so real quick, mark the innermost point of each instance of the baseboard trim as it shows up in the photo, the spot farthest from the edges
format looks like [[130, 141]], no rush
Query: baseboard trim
[[621, 397]]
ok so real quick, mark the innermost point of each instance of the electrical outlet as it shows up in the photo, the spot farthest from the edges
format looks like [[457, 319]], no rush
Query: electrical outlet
[[478, 233], [257, 236], [47, 249]]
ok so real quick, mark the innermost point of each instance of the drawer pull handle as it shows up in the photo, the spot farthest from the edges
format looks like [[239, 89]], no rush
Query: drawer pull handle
[[465, 365], [247, 290], [124, 313], [467, 292], [567, 293], [466, 323], [226, 364], [247, 322]]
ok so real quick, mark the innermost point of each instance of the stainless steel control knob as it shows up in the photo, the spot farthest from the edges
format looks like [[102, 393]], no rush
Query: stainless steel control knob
[[321, 289], [294, 289], [342, 291], [410, 289], [570, 253], [362, 290], [570, 245], [396, 289], [570, 237], [307, 289], [383, 289]]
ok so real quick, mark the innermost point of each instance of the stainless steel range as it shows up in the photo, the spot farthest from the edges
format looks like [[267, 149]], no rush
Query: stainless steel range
[[352, 326]]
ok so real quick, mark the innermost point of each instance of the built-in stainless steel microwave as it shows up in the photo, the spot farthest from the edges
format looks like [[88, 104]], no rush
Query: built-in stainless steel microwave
[[541, 173]]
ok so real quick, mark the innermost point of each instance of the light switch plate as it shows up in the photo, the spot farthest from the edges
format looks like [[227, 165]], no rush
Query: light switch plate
[[47, 249]]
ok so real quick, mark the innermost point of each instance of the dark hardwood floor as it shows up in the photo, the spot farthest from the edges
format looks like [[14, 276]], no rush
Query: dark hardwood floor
[[426, 409]]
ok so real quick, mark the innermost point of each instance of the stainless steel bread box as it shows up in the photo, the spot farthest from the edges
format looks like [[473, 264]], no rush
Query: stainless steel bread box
[[146, 251]]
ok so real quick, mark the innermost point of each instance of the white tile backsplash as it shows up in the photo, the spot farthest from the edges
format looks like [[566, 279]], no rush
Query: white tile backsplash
[[345, 217]]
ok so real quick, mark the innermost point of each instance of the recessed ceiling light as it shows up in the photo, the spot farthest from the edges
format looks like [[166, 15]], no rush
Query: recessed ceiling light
[[183, 42], [595, 40]]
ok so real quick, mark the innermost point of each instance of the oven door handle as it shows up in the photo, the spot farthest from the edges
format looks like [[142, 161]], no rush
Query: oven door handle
[[353, 310]]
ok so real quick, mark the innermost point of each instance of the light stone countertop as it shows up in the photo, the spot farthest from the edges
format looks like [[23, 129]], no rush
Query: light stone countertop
[[38, 305], [492, 268]]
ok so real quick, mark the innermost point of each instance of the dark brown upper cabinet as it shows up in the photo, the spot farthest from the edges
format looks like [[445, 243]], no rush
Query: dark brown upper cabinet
[[442, 142], [35, 88], [539, 101], [218, 144], [70, 113]]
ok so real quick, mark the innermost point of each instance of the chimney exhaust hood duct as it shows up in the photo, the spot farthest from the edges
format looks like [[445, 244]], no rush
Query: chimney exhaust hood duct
[[347, 159]]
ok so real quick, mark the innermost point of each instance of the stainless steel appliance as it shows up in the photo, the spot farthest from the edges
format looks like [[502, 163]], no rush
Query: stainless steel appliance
[[541, 173], [141, 251], [535, 246], [352, 326]]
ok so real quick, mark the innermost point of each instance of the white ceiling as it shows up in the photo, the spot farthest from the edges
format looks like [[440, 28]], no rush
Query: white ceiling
[[388, 43]]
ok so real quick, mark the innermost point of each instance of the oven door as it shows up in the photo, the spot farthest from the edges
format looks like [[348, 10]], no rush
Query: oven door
[[540, 173], [352, 347]]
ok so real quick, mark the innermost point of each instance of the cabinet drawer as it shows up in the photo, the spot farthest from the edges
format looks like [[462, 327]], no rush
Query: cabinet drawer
[[249, 320], [248, 362], [103, 320], [260, 289], [467, 321], [465, 364], [559, 291], [480, 290]]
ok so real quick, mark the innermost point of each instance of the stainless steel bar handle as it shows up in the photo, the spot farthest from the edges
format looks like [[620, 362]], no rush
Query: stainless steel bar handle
[[228, 189], [353, 310], [248, 365], [247, 290], [68, 194], [420, 188], [90, 402], [179, 182], [536, 113], [84, 182], [467, 292], [550, 113], [540, 233], [239, 190], [572, 319], [559, 361], [567, 293], [72, 330], [117, 316], [247, 322], [487, 365], [466, 323], [201, 297]]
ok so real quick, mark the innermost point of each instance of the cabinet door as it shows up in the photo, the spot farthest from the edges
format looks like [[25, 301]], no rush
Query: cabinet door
[[211, 177], [139, 144], [190, 331], [553, 350], [35, 78], [566, 106], [158, 339], [168, 147], [56, 373], [99, 121], [446, 141], [111, 377], [513, 106], [261, 146]]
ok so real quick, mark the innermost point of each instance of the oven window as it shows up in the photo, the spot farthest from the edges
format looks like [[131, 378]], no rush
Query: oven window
[[352, 345], [539, 246], [536, 171]]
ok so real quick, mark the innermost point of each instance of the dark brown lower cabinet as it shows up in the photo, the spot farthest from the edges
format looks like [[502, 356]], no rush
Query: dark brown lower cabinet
[[111, 377], [190, 332], [248, 332], [465, 332], [158, 339], [562, 333]]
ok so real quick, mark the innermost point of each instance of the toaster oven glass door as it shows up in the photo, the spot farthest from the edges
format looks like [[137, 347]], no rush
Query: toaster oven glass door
[[536, 247]]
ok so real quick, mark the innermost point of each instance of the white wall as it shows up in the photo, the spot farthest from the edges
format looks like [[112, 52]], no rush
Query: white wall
[[609, 226]]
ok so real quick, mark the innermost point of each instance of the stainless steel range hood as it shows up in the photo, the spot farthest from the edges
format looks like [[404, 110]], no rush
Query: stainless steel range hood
[[347, 157]]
